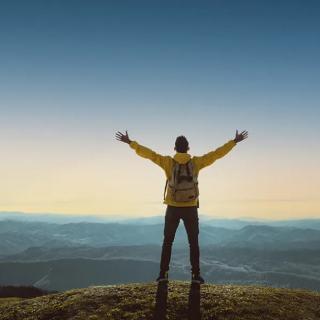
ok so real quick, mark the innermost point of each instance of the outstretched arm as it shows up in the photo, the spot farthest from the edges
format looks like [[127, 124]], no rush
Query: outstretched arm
[[208, 158], [144, 152]]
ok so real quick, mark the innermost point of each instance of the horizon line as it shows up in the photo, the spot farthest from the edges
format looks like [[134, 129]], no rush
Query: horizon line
[[122, 217]]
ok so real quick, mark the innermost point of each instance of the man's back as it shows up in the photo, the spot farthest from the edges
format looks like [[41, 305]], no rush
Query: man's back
[[166, 163]]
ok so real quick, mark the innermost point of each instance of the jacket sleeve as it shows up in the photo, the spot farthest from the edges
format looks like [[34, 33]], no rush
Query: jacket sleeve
[[208, 158], [144, 152]]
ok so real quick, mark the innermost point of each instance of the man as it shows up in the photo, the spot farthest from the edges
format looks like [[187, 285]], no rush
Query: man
[[182, 196]]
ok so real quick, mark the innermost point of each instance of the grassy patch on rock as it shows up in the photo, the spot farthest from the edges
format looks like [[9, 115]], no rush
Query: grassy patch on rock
[[137, 302]]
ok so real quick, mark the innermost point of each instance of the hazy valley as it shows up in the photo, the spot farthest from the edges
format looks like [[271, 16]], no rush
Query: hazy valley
[[58, 256]]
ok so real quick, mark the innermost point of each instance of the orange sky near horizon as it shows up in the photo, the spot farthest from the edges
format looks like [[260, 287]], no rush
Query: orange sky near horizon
[[247, 182]]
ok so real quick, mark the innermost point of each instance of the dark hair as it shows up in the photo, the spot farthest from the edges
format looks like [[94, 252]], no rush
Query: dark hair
[[182, 144]]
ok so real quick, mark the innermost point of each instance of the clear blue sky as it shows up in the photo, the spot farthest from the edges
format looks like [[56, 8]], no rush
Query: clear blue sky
[[74, 72]]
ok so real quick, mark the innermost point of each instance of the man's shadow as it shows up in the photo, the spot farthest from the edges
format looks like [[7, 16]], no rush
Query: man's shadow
[[160, 310], [194, 302]]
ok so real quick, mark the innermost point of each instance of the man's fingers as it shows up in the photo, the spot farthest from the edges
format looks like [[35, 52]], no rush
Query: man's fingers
[[244, 134], [119, 134]]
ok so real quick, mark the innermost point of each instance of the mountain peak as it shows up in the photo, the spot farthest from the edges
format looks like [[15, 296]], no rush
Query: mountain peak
[[138, 301]]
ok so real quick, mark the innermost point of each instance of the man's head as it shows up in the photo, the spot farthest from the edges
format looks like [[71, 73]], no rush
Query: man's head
[[182, 144]]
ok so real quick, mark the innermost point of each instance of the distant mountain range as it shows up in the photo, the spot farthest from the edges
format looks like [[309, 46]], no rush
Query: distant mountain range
[[293, 269], [17, 236], [59, 256], [204, 219], [76, 273]]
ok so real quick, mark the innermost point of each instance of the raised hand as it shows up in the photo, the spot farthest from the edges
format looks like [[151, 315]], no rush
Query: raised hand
[[123, 137], [241, 136]]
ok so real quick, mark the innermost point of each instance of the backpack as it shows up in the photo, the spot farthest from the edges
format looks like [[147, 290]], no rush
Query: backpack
[[183, 183]]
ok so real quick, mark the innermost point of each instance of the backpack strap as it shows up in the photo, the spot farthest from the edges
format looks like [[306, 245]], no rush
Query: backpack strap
[[165, 189], [179, 170], [188, 168], [173, 177]]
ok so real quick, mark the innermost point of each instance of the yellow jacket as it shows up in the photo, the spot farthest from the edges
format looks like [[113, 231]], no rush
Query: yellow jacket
[[166, 162]]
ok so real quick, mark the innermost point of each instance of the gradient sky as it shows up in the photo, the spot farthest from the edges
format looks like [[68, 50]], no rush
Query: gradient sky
[[75, 72]]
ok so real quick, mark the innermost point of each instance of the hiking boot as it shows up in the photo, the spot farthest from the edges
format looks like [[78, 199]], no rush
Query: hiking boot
[[163, 277], [196, 278]]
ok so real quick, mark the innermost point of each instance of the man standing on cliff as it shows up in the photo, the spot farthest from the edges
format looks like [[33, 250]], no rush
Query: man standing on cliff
[[181, 194]]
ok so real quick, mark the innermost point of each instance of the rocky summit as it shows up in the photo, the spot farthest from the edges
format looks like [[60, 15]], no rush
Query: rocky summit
[[176, 300]]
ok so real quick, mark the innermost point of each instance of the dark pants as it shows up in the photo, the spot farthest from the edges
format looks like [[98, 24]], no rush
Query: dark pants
[[189, 215]]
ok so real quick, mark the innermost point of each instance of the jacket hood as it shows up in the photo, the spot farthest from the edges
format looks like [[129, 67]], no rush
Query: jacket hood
[[182, 157]]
